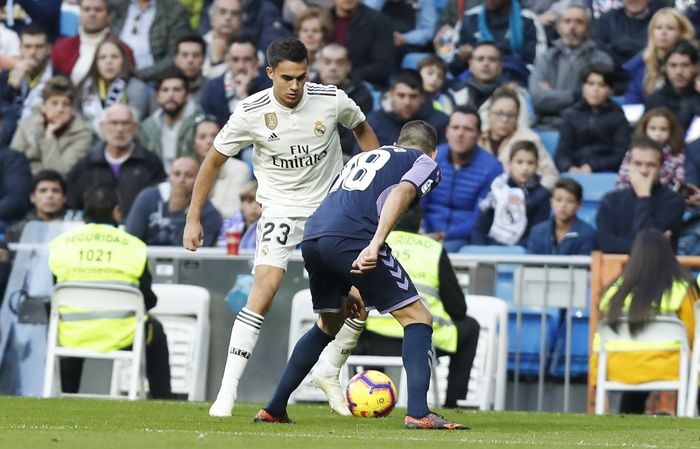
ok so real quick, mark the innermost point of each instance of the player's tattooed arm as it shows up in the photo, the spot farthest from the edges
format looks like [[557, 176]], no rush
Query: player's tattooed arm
[[365, 136]]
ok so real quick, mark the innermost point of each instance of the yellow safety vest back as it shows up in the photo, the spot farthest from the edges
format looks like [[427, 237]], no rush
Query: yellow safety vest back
[[420, 257], [670, 303], [96, 253]]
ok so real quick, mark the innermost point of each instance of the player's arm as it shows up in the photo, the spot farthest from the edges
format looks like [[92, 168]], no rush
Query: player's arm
[[365, 136], [193, 236], [398, 201]]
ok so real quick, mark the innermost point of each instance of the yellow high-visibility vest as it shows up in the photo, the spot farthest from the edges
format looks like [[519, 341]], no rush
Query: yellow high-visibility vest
[[420, 257], [96, 253]]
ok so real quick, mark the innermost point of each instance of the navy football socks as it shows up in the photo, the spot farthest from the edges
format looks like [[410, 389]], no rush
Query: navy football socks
[[304, 356], [417, 357]]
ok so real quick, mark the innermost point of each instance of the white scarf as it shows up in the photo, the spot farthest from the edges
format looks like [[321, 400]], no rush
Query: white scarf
[[31, 97], [230, 89], [510, 213], [92, 105], [88, 48]]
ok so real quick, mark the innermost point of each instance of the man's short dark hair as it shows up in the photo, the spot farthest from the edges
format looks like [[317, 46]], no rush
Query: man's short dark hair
[[418, 134], [409, 77], [683, 47], [243, 39], [286, 49], [570, 185], [170, 73], [468, 110], [48, 176], [487, 44], [99, 204], [192, 39], [645, 143], [107, 3], [602, 70], [34, 29]]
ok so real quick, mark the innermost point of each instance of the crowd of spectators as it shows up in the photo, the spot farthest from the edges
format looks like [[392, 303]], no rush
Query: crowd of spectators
[[134, 93]]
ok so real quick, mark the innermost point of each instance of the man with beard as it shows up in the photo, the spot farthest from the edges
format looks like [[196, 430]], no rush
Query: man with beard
[[556, 77], [189, 58], [486, 70], [168, 131]]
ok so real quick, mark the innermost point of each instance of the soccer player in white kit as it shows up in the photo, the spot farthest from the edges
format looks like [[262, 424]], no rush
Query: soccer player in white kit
[[297, 154]]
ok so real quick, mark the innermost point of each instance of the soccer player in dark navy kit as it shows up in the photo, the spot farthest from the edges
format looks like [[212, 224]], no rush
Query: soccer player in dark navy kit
[[344, 246]]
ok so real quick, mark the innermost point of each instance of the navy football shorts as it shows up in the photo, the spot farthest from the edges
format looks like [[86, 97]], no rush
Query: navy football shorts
[[329, 260]]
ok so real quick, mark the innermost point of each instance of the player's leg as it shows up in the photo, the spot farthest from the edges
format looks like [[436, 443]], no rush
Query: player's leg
[[326, 373], [244, 335], [417, 358], [303, 358], [327, 291]]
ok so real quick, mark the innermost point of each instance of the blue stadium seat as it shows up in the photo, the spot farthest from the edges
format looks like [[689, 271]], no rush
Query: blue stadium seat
[[504, 271], [411, 60], [68, 23], [529, 339], [579, 346], [595, 186], [550, 139]]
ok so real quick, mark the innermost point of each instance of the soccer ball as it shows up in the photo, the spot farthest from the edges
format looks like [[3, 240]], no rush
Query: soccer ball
[[370, 394]]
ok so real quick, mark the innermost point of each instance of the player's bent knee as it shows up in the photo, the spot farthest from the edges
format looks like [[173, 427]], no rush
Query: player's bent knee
[[413, 313]]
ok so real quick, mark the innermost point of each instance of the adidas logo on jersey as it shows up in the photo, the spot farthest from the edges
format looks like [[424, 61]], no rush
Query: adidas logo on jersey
[[273, 137]]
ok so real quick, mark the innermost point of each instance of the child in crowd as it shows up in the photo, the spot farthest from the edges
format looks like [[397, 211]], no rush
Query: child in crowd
[[564, 233], [433, 71], [516, 202], [245, 219], [594, 133], [660, 124]]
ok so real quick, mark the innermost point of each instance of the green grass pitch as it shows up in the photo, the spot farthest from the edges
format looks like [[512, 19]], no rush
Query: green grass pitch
[[95, 424]]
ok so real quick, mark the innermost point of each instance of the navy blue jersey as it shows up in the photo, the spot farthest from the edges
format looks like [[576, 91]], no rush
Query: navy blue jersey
[[358, 194]]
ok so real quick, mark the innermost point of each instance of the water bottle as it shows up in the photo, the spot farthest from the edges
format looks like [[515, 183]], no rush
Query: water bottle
[[238, 295]]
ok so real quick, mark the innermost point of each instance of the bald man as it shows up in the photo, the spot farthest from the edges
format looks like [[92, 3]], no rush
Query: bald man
[[158, 214], [120, 161]]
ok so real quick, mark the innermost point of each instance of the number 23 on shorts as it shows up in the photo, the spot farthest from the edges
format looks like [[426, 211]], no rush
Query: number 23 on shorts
[[276, 230]]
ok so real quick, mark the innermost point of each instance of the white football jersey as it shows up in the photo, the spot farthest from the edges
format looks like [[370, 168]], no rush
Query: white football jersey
[[296, 152]]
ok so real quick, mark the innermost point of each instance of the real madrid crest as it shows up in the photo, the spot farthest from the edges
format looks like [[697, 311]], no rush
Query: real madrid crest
[[319, 128], [271, 120]]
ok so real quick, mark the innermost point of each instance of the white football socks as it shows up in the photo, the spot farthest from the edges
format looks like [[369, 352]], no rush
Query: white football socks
[[326, 373], [244, 336], [337, 352]]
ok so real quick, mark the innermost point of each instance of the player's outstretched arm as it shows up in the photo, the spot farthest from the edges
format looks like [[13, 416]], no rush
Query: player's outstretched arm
[[365, 136], [193, 236], [396, 204]]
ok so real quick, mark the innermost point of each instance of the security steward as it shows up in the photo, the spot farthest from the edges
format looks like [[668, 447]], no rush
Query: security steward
[[454, 333], [100, 252]]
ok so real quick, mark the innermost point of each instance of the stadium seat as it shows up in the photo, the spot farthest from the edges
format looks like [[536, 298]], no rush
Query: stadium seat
[[659, 329], [595, 186], [528, 341], [99, 297], [69, 22], [411, 60], [487, 383], [579, 346], [691, 408], [550, 140]]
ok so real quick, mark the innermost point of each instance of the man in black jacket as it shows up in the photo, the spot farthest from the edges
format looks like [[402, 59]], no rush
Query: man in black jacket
[[371, 36], [121, 162], [623, 213]]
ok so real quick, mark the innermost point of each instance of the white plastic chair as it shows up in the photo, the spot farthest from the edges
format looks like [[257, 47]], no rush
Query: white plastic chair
[[660, 329], [100, 297], [487, 383], [183, 310], [691, 404]]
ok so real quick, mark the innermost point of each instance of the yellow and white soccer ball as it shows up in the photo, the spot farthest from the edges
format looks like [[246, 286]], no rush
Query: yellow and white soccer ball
[[370, 394]]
